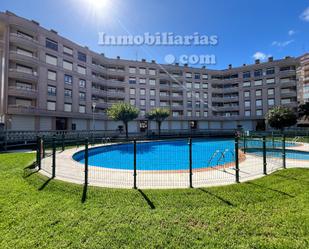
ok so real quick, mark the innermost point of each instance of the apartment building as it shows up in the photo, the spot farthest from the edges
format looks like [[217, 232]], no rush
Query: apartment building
[[48, 82]]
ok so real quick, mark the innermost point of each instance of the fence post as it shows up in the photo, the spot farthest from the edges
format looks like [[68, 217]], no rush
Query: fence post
[[86, 161], [244, 138], [134, 173], [190, 163], [283, 152], [54, 157], [63, 142], [43, 146], [38, 152], [6, 140], [236, 159], [264, 156]]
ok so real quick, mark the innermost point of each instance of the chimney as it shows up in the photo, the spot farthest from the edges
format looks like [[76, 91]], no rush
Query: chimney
[[143, 60], [176, 64], [102, 54], [244, 64], [230, 66], [118, 57], [287, 57], [257, 61], [54, 31], [270, 59], [204, 67], [186, 64], [153, 61]]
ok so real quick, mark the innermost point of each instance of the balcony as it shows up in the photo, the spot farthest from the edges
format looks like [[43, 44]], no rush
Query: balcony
[[30, 60], [116, 94], [23, 92], [23, 75], [116, 83], [24, 40]]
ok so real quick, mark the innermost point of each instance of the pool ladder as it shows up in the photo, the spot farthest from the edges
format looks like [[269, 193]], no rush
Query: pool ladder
[[222, 156]]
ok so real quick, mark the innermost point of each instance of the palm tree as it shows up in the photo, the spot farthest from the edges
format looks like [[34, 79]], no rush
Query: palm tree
[[158, 115], [123, 112]]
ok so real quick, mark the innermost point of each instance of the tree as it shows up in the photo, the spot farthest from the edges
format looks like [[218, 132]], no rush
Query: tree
[[303, 110], [280, 117], [123, 112], [158, 115]]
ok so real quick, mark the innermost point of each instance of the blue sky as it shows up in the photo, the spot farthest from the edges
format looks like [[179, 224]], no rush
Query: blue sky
[[244, 28]]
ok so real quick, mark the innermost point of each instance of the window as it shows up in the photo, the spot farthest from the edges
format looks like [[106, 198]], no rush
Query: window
[[51, 106], [67, 93], [152, 92], [258, 93], [271, 101], [152, 71], [142, 113], [82, 109], [258, 102], [142, 91], [142, 102], [205, 76], [247, 113], [81, 70], [68, 65], [189, 113], [188, 75], [82, 96], [51, 44], [246, 75], [67, 50], [67, 107], [258, 73], [81, 56], [270, 81], [285, 101], [196, 85], [132, 101], [247, 83], [247, 103], [188, 84], [82, 83], [22, 34], [197, 95], [142, 70], [51, 59], [23, 102], [132, 80], [189, 94], [51, 75], [271, 91], [197, 104], [258, 82], [51, 91], [205, 95], [197, 76], [152, 102], [152, 82], [205, 85], [270, 71], [24, 69], [205, 114], [197, 113], [24, 52], [23, 86], [247, 94], [142, 81], [132, 70], [132, 91], [68, 79], [259, 112], [189, 104]]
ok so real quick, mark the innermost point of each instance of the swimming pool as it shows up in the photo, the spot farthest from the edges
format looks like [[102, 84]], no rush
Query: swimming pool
[[167, 155], [290, 154]]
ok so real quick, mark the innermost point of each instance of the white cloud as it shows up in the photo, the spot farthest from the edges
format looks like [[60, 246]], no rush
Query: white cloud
[[260, 56], [281, 44], [291, 32], [305, 15]]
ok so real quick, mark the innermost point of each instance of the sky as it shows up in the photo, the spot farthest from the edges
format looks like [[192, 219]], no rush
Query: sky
[[245, 30]]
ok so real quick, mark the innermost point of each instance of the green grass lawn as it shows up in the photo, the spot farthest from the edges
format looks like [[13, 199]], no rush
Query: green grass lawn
[[272, 212]]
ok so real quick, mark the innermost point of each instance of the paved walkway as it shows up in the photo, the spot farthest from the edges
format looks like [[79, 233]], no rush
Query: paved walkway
[[251, 167]]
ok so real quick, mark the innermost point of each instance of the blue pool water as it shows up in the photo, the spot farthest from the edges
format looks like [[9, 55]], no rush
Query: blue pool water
[[166, 155], [290, 154]]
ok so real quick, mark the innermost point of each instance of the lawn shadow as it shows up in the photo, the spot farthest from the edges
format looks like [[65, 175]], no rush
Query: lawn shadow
[[149, 202], [45, 184], [218, 197], [84, 195], [271, 189], [292, 178], [30, 170]]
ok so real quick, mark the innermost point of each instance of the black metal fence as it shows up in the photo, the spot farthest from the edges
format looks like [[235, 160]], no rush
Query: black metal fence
[[169, 163]]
